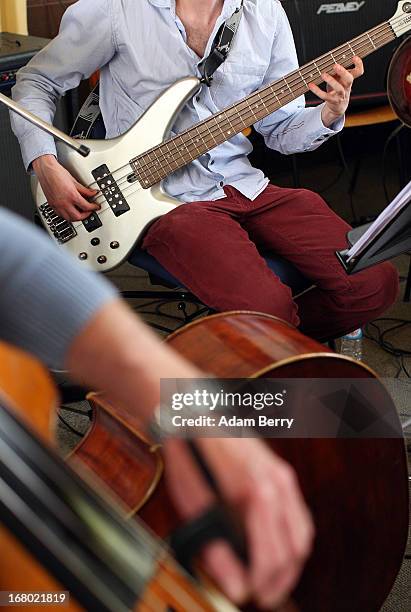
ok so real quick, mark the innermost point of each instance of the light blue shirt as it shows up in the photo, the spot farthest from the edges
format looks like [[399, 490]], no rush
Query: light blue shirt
[[140, 48]]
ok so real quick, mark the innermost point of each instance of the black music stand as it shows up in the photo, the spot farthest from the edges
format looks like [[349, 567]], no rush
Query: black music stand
[[393, 239]]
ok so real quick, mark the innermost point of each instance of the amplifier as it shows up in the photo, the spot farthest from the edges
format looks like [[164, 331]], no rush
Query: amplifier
[[319, 26], [15, 52]]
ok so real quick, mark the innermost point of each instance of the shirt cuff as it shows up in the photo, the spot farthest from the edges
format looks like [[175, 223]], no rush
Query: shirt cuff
[[32, 148], [316, 130]]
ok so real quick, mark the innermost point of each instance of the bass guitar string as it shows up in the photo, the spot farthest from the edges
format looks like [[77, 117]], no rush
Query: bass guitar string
[[297, 74], [280, 99], [100, 199], [129, 189], [381, 30], [266, 95], [380, 33], [384, 25]]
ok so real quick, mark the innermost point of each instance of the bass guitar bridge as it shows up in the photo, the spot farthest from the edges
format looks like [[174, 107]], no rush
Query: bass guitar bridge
[[62, 230]]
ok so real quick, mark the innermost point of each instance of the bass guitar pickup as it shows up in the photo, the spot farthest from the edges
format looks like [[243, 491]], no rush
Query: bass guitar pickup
[[92, 222], [62, 230], [110, 190]]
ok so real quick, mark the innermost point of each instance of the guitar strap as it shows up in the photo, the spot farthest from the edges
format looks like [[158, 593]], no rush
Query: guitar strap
[[221, 46], [90, 114]]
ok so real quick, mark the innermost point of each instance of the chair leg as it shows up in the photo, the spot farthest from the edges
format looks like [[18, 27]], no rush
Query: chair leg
[[179, 296], [172, 295], [182, 306]]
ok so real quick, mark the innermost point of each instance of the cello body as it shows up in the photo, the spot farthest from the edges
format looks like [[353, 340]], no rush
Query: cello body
[[399, 82], [70, 521], [357, 490]]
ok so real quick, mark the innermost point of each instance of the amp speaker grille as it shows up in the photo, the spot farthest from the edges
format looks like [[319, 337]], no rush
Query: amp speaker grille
[[318, 30]]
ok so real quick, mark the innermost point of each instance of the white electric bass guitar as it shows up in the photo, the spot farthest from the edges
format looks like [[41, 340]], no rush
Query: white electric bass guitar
[[130, 191]]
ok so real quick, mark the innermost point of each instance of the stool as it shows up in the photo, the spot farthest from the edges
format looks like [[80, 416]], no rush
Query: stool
[[176, 291]]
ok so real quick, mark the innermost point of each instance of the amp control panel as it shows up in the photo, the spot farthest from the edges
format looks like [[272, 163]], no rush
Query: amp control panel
[[16, 51], [7, 78]]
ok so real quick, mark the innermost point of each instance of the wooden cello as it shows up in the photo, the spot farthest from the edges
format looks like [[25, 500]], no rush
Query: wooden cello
[[399, 82], [62, 544], [356, 489]]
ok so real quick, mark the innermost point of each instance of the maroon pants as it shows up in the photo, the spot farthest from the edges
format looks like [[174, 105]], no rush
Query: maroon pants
[[211, 247]]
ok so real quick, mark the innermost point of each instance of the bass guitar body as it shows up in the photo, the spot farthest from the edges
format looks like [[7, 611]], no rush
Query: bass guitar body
[[128, 170], [105, 238]]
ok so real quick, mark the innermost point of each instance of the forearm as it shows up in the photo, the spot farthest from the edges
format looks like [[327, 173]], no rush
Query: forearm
[[79, 50], [71, 318], [118, 355], [46, 297], [299, 129], [330, 119], [38, 97]]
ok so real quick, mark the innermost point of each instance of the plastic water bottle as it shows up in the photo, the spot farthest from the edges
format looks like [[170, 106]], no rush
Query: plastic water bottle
[[351, 344]]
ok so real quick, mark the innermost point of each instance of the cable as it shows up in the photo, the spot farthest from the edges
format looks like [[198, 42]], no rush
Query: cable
[[381, 340], [407, 373], [391, 137]]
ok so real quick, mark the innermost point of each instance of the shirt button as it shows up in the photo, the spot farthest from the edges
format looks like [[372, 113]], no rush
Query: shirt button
[[211, 162], [221, 183], [198, 98]]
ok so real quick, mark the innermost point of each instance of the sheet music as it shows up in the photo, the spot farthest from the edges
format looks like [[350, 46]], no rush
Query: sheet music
[[401, 201]]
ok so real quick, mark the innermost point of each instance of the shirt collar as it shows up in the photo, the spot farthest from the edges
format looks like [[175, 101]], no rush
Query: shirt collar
[[228, 8]]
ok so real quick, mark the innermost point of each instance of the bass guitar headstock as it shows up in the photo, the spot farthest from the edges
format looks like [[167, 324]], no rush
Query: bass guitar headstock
[[401, 21]]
